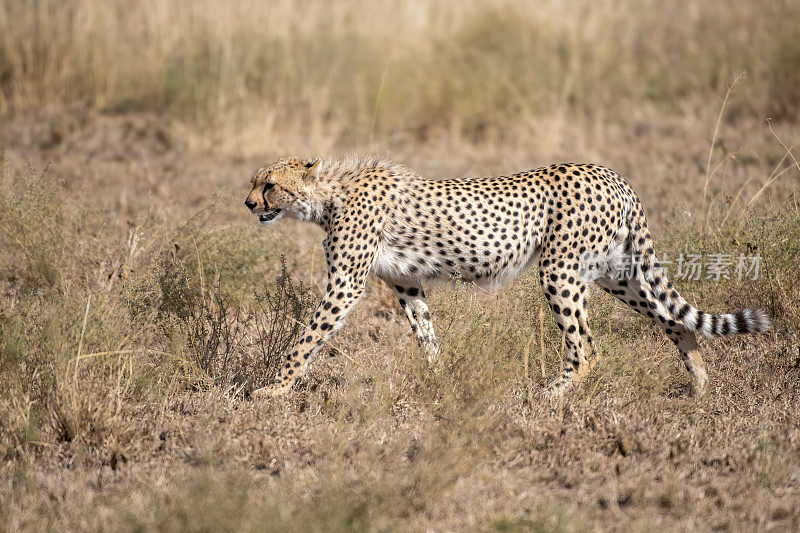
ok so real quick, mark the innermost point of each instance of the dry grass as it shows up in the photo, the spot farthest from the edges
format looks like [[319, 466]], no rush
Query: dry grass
[[139, 304], [126, 396], [348, 72]]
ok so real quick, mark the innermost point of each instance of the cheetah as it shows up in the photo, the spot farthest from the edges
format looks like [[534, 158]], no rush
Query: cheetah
[[574, 222]]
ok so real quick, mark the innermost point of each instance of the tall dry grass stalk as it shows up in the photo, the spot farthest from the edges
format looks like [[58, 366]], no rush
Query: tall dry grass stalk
[[368, 69]]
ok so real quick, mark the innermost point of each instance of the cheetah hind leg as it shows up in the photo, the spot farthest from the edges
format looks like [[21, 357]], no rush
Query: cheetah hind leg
[[568, 302], [686, 342], [639, 296], [576, 365], [412, 300]]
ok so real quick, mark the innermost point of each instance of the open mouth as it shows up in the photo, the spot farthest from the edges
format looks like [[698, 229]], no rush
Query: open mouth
[[269, 216]]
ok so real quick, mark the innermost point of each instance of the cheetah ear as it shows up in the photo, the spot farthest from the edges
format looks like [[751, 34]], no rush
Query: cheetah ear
[[311, 169]]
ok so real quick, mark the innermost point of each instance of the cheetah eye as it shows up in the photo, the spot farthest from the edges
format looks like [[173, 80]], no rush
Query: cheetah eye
[[268, 186]]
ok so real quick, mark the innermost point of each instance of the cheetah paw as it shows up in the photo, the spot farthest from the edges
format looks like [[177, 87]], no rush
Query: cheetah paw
[[274, 390], [557, 389], [432, 352]]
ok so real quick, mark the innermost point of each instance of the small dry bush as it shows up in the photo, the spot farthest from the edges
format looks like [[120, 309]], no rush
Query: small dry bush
[[33, 233], [204, 296], [235, 341]]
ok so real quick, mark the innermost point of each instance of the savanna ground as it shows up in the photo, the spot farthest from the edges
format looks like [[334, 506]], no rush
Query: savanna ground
[[139, 303]]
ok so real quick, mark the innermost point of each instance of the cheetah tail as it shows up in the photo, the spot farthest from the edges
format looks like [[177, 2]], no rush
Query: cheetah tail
[[743, 321]]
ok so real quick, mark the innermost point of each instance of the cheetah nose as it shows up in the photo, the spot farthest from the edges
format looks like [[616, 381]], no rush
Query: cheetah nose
[[249, 203]]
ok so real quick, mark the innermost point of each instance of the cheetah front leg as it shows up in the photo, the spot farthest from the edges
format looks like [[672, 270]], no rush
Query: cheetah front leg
[[348, 267], [412, 300]]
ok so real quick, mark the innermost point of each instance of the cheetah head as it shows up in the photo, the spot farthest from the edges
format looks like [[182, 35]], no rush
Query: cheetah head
[[282, 189]]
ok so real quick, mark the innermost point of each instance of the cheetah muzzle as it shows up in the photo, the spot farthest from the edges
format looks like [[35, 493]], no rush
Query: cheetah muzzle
[[269, 216]]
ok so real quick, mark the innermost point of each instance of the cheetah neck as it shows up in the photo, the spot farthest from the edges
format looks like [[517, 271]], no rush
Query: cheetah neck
[[324, 195], [327, 192]]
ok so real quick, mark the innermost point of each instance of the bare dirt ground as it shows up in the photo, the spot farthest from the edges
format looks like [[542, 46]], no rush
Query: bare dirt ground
[[376, 437]]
